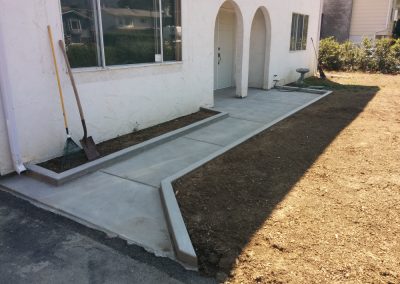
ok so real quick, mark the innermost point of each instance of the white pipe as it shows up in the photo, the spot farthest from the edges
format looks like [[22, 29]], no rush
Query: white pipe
[[9, 114]]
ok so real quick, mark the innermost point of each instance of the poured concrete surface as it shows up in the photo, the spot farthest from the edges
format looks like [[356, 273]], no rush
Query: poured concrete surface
[[123, 199], [225, 131], [260, 106], [117, 206], [151, 167]]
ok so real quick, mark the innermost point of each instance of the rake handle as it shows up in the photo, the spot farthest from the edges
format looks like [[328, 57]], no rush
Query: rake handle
[[53, 52]]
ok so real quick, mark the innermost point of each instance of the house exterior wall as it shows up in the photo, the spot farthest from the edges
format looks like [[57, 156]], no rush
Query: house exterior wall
[[258, 47], [5, 157], [371, 18], [117, 100], [336, 20]]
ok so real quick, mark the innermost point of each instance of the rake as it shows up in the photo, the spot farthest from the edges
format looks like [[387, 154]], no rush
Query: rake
[[70, 147]]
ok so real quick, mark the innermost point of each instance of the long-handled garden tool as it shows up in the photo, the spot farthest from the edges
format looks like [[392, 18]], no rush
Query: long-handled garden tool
[[87, 143], [70, 146]]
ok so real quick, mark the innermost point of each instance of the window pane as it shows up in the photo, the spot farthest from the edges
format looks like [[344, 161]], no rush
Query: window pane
[[172, 30], [305, 33], [80, 33], [293, 33], [299, 32], [131, 31]]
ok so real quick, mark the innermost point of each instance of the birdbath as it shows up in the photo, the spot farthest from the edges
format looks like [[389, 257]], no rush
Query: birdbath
[[303, 72]]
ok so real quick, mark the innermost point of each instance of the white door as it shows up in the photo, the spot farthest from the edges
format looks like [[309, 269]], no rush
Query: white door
[[224, 50]]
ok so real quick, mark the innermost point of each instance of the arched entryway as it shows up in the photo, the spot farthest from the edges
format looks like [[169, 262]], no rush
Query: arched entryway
[[260, 42], [227, 46]]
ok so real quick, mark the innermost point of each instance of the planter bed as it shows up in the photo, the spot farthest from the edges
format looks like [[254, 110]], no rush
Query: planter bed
[[123, 147], [124, 141]]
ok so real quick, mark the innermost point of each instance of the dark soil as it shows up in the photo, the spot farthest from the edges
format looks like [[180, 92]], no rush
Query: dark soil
[[314, 199], [121, 142]]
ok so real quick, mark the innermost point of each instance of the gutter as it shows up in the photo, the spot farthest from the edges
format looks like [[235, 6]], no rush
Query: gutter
[[9, 112]]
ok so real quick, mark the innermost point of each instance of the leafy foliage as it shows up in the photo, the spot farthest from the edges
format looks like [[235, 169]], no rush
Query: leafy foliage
[[381, 55], [329, 54]]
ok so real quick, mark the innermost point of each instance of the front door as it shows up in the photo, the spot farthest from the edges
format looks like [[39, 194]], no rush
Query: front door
[[224, 50]]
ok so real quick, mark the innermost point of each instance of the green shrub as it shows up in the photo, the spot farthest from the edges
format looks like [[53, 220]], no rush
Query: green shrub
[[382, 55], [349, 56], [329, 54], [385, 61], [395, 49], [367, 61]]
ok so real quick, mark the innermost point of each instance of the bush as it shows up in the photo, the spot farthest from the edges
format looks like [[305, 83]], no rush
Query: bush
[[329, 54], [382, 55], [385, 61], [349, 56], [367, 61]]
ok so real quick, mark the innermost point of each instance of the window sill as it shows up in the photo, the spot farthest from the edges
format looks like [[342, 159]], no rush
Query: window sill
[[121, 67]]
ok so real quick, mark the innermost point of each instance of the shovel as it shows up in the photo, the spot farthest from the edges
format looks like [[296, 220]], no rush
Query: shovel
[[87, 143]]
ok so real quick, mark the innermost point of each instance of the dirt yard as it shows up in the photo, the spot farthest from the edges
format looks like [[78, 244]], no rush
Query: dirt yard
[[315, 199], [121, 142]]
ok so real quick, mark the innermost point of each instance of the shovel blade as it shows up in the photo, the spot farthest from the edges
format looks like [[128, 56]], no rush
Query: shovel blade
[[89, 147]]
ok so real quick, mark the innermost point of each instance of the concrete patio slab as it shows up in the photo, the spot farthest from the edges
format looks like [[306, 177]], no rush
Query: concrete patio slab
[[117, 206], [225, 131], [260, 105], [153, 166], [124, 199]]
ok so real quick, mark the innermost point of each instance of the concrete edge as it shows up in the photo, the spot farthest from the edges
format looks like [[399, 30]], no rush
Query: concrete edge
[[182, 244], [185, 252], [57, 179], [88, 224], [306, 90]]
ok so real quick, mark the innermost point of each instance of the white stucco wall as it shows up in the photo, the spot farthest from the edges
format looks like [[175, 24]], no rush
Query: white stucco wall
[[258, 50], [117, 100], [5, 157]]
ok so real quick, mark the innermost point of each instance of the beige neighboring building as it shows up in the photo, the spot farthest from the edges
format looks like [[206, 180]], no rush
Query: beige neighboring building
[[373, 18], [356, 19]]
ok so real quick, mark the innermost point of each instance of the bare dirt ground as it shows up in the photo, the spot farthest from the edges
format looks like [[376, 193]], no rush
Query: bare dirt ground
[[315, 199], [124, 141]]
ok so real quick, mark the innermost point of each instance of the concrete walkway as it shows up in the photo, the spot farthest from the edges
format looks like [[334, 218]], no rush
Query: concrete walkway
[[123, 199]]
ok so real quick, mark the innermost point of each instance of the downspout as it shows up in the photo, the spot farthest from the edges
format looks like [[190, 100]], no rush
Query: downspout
[[9, 113]]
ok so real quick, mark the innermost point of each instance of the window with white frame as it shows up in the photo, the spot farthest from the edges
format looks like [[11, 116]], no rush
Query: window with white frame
[[101, 33], [298, 37]]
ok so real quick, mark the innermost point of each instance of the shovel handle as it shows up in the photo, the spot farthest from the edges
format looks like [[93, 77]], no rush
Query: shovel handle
[[71, 77]]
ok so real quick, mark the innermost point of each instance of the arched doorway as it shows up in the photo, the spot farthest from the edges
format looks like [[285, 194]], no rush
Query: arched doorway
[[260, 42], [227, 47]]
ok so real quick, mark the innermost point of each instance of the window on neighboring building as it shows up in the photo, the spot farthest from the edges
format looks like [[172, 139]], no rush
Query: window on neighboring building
[[298, 38], [111, 32], [81, 34]]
